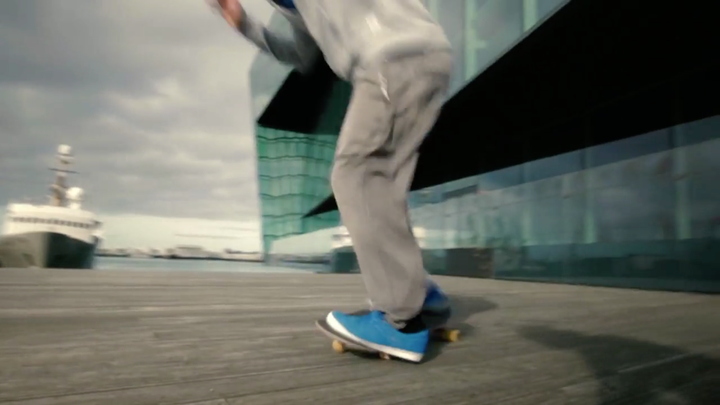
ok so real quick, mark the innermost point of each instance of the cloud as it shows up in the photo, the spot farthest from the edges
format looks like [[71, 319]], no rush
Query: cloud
[[153, 96]]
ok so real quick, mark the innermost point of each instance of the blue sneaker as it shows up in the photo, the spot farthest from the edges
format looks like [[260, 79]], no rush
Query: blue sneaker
[[436, 309], [435, 299], [372, 330]]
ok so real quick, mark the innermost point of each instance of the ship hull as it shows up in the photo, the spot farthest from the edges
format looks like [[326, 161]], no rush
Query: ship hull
[[46, 250]]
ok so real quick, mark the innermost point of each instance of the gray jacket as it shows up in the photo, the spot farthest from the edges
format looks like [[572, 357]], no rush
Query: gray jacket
[[351, 34]]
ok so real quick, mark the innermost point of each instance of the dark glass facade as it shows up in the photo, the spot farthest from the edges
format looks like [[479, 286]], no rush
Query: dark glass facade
[[293, 168], [639, 212]]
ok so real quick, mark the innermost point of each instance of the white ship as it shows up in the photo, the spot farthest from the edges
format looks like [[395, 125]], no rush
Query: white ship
[[59, 234]]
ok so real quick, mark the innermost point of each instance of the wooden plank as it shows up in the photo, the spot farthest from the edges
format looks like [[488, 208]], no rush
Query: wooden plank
[[149, 337]]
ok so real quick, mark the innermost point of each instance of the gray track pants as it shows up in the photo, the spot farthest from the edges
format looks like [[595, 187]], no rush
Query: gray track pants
[[391, 110]]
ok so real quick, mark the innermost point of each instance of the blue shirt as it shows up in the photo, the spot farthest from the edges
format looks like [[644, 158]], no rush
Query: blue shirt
[[288, 4]]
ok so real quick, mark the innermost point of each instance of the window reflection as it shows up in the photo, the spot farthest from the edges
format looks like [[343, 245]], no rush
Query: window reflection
[[630, 148], [696, 132], [703, 194], [491, 27], [554, 166], [481, 30], [640, 211], [546, 7]]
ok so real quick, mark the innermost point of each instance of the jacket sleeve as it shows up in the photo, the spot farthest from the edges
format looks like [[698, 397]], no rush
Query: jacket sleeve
[[300, 50]]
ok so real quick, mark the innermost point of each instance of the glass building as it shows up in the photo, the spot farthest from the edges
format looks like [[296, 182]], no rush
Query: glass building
[[292, 167], [641, 211]]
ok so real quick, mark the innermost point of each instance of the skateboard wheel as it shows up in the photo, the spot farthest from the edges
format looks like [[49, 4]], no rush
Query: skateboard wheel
[[451, 335], [338, 346], [384, 356]]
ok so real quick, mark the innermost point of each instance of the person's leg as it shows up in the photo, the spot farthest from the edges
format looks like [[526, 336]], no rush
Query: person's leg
[[389, 115]]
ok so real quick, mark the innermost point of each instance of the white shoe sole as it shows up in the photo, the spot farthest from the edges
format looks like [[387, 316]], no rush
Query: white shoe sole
[[399, 353]]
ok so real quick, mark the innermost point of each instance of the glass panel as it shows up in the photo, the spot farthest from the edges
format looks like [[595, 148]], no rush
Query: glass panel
[[293, 173], [703, 193], [640, 206], [544, 9], [698, 131], [629, 148], [482, 30]]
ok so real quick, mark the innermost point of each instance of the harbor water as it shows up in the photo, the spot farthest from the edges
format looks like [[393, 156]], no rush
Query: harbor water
[[124, 263]]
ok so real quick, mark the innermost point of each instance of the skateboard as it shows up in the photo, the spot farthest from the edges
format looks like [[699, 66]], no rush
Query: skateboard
[[341, 344]]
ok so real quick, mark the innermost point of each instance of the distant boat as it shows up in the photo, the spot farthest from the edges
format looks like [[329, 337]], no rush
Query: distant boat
[[189, 252], [59, 234]]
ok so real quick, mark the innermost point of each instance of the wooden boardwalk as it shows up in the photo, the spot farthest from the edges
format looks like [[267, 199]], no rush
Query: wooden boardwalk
[[141, 337]]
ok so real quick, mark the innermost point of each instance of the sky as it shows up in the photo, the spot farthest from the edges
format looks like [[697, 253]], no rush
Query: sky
[[153, 97]]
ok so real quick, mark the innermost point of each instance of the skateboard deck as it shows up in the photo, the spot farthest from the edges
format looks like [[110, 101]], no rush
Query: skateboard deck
[[341, 344]]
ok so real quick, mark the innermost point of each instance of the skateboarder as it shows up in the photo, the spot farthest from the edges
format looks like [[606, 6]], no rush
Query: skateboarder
[[398, 60]]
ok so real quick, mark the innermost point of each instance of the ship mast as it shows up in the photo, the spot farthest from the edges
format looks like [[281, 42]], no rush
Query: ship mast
[[59, 188]]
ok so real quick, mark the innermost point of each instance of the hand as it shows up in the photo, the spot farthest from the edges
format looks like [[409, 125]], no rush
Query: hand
[[231, 11]]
